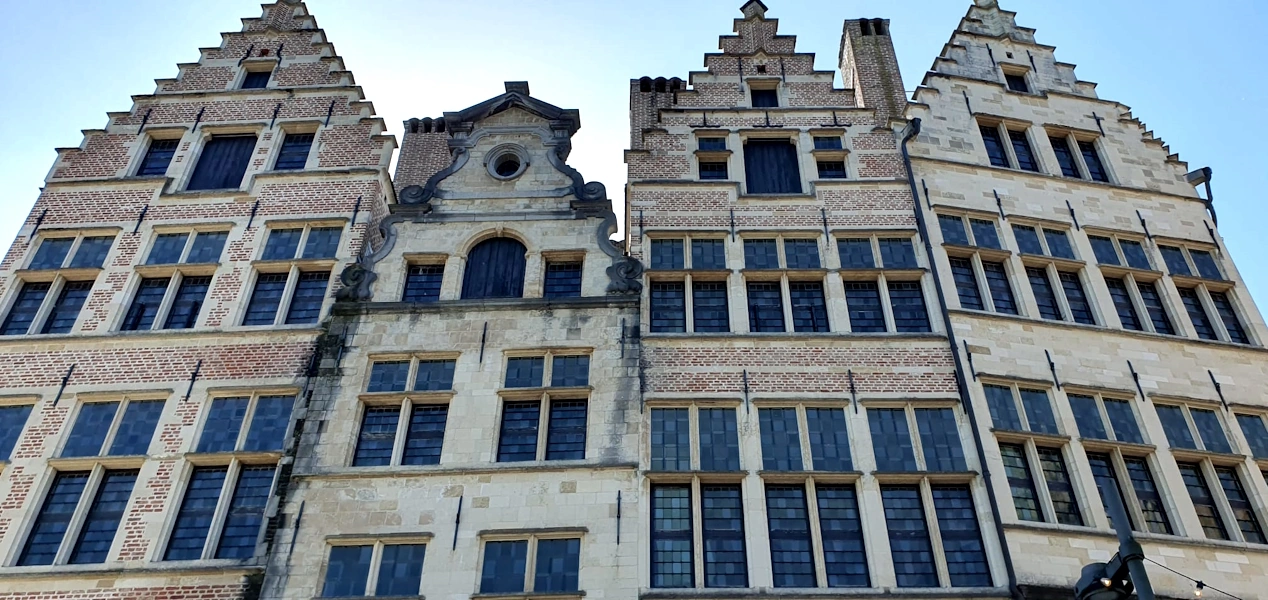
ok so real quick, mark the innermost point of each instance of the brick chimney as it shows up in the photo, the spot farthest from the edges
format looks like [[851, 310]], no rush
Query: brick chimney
[[870, 67]]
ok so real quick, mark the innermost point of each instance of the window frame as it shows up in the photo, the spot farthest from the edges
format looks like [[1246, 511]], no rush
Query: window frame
[[408, 400], [176, 136], [688, 275], [1004, 129], [544, 395], [532, 538], [96, 473], [177, 273], [123, 400], [377, 543], [253, 396], [884, 276], [577, 257], [57, 278], [1132, 278], [281, 144], [805, 447], [294, 268], [1186, 406], [695, 454], [429, 260], [1206, 291], [978, 256], [809, 486], [784, 276]]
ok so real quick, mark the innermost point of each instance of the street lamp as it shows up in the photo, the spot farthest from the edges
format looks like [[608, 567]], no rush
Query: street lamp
[[1125, 572]]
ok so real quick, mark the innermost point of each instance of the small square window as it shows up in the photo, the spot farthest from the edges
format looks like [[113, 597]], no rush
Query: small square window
[[768, 98], [525, 372], [390, 376], [828, 143], [1205, 262], [1174, 257], [667, 254], [570, 371], [422, 283], [713, 170], [294, 153], [323, 242], [761, 254], [51, 254], [832, 169], [168, 248], [708, 254], [802, 254], [282, 244], [157, 158], [563, 280], [504, 566], [255, 80], [953, 230], [712, 143], [898, 253], [984, 234], [1017, 82], [208, 245], [1059, 244], [1135, 254], [1027, 240], [434, 375], [856, 253]]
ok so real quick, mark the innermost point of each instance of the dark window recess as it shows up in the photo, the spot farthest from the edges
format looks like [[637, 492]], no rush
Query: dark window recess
[[51, 254], [719, 440], [1123, 421], [283, 244], [66, 310], [1205, 262], [347, 571], [1174, 257], [781, 441], [829, 169], [1017, 83], [1210, 430], [1252, 426], [422, 283], [197, 510], [722, 511], [667, 254], [434, 375], [1045, 296], [1103, 248], [167, 249], [940, 439], [953, 230], [712, 143], [255, 80], [671, 539], [1065, 157], [1001, 290], [208, 246], [891, 439], [1103, 473], [518, 439], [53, 519], [1147, 494], [1022, 483], [1228, 315], [984, 234], [863, 299], [188, 303], [25, 308], [1027, 240], [1153, 305], [761, 254], [810, 310], [558, 563], [157, 157], [909, 542], [495, 269], [563, 280], [856, 253], [323, 242], [1076, 298], [222, 163], [829, 441], [908, 302], [827, 143], [1039, 413], [771, 167], [1064, 503], [765, 307], [294, 153], [400, 570], [765, 98], [92, 252], [713, 170], [668, 307], [570, 371], [525, 372], [145, 305], [1134, 252], [269, 424], [310, 293], [1087, 417], [1203, 501], [791, 550], [709, 307], [426, 434], [1003, 408], [671, 439], [1021, 147], [841, 529], [802, 254], [708, 254], [994, 146], [246, 513], [961, 538], [136, 429], [898, 253], [1243, 511], [224, 423], [566, 431], [103, 518], [1176, 427], [377, 436], [12, 422], [391, 376], [505, 565], [966, 284], [1123, 304], [1059, 244], [1092, 159]]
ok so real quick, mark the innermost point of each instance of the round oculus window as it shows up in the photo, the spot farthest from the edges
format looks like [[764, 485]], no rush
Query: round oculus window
[[507, 163]]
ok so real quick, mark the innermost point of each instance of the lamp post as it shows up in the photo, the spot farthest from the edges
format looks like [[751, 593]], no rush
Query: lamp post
[[1124, 572]]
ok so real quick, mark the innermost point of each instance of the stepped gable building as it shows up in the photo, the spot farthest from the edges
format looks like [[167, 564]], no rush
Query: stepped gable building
[[160, 308]]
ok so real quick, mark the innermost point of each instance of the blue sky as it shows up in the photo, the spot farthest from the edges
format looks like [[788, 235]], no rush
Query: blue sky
[[1193, 72]]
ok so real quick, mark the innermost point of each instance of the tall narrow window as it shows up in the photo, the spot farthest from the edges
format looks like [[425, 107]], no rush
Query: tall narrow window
[[1065, 157], [863, 298], [53, 520], [966, 284], [1106, 478], [765, 307], [495, 269], [909, 542], [1150, 297], [961, 537], [719, 440], [245, 513], [671, 439], [294, 153], [671, 539], [709, 306], [102, 521], [563, 280], [197, 510], [1239, 502], [844, 555], [722, 510], [1123, 304], [223, 163], [1197, 314], [1092, 159], [518, 439], [1022, 483], [891, 439], [829, 441], [12, 422], [781, 440], [1000, 288], [908, 301], [1228, 315], [1203, 502], [1147, 494], [1064, 503], [994, 146], [66, 309], [1045, 296], [771, 167], [1021, 148], [668, 307], [810, 310], [791, 549], [25, 308], [157, 158], [422, 283], [1076, 297], [940, 440]]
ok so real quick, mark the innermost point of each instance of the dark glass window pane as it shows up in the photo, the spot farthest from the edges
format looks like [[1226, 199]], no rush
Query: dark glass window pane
[[145, 305], [347, 571], [157, 157], [53, 519], [66, 310], [1103, 473], [761, 254], [566, 433], [781, 440], [1123, 421], [1076, 297], [255, 80], [1228, 315], [167, 249], [1103, 248], [898, 253], [940, 438], [495, 269], [92, 252], [1021, 147], [1001, 290], [1092, 159], [310, 293], [558, 562], [25, 308], [1065, 157], [422, 283], [505, 564], [563, 280], [1017, 470], [831, 169], [722, 511], [1147, 494], [1003, 407], [802, 254], [1045, 296], [765, 98], [207, 248], [1039, 413], [193, 521], [715, 143], [391, 376], [708, 254], [1059, 244], [672, 565], [1207, 267], [909, 537], [1153, 304], [1252, 427], [102, 522], [667, 254], [669, 307], [810, 310], [1123, 304], [827, 143], [908, 302], [864, 302], [994, 146], [713, 170], [518, 441], [1197, 314], [527, 371], [765, 307], [570, 371], [401, 570], [1027, 240], [1174, 424], [13, 420], [51, 254], [984, 233], [829, 439], [966, 284], [961, 538], [282, 244], [1064, 502], [269, 424], [953, 231], [1243, 510], [671, 439], [246, 513], [709, 307], [856, 253], [891, 439], [1210, 430], [91, 426], [294, 153], [1203, 502], [1134, 252], [136, 429], [224, 422], [844, 556], [323, 242], [265, 299], [188, 302], [791, 551], [377, 437], [719, 441], [1174, 257], [1088, 417], [426, 435], [434, 375], [1017, 83]]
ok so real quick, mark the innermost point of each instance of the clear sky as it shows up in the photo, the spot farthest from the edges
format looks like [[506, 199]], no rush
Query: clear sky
[[1194, 72]]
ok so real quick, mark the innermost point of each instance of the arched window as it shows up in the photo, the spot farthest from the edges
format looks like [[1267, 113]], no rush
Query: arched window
[[495, 269]]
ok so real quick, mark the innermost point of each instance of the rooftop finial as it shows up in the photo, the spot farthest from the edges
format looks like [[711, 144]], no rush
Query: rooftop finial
[[754, 9], [517, 86]]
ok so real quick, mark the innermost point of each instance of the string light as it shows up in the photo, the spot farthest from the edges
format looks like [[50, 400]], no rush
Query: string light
[[1198, 585]]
